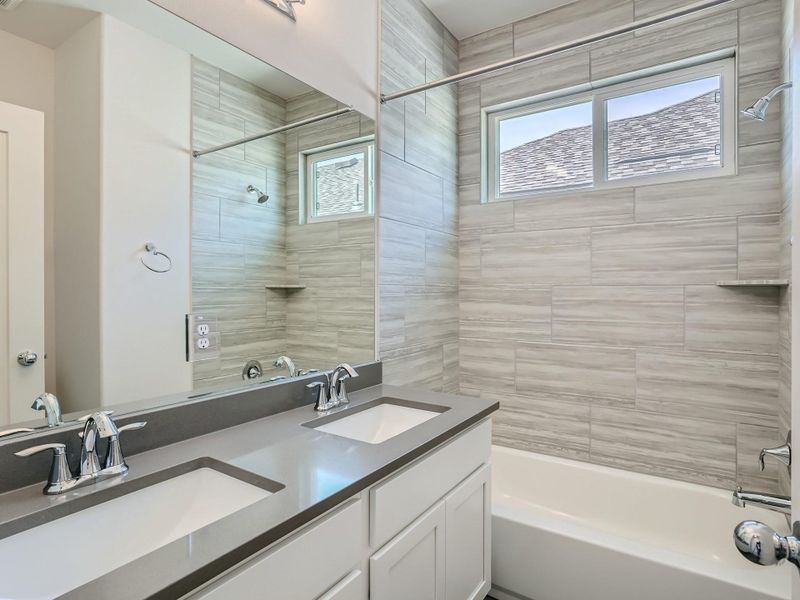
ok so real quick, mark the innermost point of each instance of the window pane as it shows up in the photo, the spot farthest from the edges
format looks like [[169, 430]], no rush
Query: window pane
[[673, 128], [548, 149], [339, 184]]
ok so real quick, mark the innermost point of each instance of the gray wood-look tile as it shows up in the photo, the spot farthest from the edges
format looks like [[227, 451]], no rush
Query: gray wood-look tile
[[750, 439], [725, 387], [486, 48], [227, 178], [410, 194], [601, 374], [469, 107], [505, 313], [211, 127], [205, 217], [571, 21], [541, 423], [496, 217], [759, 247], [422, 366], [205, 83], [574, 209], [755, 190], [631, 316], [431, 140], [714, 319], [759, 48], [668, 253], [537, 257], [402, 251], [691, 449], [487, 365], [537, 77], [253, 104], [666, 43], [751, 87], [441, 259]]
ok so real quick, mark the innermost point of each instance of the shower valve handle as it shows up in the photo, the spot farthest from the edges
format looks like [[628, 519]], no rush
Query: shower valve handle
[[761, 544]]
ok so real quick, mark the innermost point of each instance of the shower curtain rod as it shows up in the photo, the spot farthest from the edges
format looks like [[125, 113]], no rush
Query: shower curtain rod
[[288, 127], [590, 39]]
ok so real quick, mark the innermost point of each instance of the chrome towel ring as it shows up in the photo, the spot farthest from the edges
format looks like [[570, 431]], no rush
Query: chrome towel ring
[[151, 250]]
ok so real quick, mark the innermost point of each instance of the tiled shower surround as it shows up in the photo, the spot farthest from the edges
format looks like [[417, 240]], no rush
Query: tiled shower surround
[[240, 248], [594, 316]]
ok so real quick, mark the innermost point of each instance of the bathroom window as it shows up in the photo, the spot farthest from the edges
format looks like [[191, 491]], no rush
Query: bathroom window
[[645, 130], [339, 182]]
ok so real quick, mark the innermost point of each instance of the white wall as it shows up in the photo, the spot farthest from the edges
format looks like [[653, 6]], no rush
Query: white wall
[[333, 46], [146, 135], [29, 80], [123, 175], [77, 218]]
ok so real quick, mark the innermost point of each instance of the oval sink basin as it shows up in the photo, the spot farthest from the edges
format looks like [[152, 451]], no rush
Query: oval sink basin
[[378, 421], [52, 559]]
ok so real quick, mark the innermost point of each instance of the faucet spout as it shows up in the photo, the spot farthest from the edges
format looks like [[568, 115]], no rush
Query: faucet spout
[[781, 504], [98, 425], [52, 410], [285, 361]]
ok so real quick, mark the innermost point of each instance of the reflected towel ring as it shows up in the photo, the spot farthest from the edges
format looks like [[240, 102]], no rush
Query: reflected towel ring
[[151, 250]]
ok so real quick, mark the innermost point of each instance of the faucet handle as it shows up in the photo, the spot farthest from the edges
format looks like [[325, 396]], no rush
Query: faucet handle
[[115, 460], [320, 391], [781, 453], [60, 478]]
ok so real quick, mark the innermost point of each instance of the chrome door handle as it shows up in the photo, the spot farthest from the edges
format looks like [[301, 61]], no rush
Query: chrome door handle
[[27, 358], [761, 544]]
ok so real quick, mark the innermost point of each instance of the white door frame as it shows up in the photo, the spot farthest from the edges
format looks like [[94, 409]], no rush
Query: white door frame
[[22, 261]]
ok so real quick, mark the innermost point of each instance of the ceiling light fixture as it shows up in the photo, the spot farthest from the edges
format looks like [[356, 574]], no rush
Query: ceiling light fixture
[[286, 6]]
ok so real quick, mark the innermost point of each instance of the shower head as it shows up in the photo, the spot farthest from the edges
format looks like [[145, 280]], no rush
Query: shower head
[[758, 110], [262, 197]]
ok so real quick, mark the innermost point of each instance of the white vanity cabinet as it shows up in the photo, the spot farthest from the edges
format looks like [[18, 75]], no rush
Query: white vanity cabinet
[[321, 562], [422, 533]]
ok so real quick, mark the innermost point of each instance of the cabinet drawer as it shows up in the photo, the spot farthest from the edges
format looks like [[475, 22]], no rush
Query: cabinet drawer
[[352, 587], [304, 567], [403, 497]]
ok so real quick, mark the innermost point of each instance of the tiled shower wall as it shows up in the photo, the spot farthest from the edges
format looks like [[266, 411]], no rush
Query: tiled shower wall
[[238, 245], [332, 319], [785, 304], [593, 317], [418, 273]]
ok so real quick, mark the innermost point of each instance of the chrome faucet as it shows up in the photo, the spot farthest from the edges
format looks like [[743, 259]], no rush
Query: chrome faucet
[[52, 410], [781, 504], [97, 425], [285, 361], [338, 390]]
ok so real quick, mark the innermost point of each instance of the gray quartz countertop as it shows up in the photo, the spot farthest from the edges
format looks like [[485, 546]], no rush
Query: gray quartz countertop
[[318, 470]]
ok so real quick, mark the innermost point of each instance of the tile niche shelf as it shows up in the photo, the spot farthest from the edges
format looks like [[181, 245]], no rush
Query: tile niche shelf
[[754, 283], [289, 287]]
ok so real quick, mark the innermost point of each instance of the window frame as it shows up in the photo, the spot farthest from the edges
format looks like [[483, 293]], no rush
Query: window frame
[[308, 179], [599, 93]]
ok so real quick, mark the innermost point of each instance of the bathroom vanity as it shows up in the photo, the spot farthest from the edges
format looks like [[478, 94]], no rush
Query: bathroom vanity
[[296, 506]]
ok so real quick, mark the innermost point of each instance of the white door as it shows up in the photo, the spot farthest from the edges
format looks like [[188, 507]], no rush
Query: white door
[[411, 566], [21, 259], [468, 533]]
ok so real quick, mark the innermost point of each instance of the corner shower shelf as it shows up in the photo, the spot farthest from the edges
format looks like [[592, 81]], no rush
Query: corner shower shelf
[[754, 283], [285, 286]]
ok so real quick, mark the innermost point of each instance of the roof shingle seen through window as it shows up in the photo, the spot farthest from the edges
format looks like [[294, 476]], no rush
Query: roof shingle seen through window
[[677, 138]]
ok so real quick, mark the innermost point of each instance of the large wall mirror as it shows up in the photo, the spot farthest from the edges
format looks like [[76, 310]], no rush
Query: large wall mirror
[[145, 262]]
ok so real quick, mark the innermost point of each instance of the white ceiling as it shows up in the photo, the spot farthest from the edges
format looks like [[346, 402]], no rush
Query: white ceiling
[[465, 18], [51, 22]]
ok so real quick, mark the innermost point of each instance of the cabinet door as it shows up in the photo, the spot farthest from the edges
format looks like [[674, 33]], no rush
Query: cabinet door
[[468, 537], [411, 566]]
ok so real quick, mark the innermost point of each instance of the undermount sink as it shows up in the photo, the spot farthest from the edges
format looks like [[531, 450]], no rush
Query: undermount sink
[[377, 421], [57, 557]]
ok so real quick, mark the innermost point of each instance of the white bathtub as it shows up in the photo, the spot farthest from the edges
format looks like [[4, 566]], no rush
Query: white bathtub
[[567, 530]]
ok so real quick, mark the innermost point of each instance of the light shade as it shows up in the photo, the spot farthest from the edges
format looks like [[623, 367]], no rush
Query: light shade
[[286, 6]]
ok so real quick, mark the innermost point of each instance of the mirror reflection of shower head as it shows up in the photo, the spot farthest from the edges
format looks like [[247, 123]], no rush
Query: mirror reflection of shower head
[[758, 110], [262, 197]]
